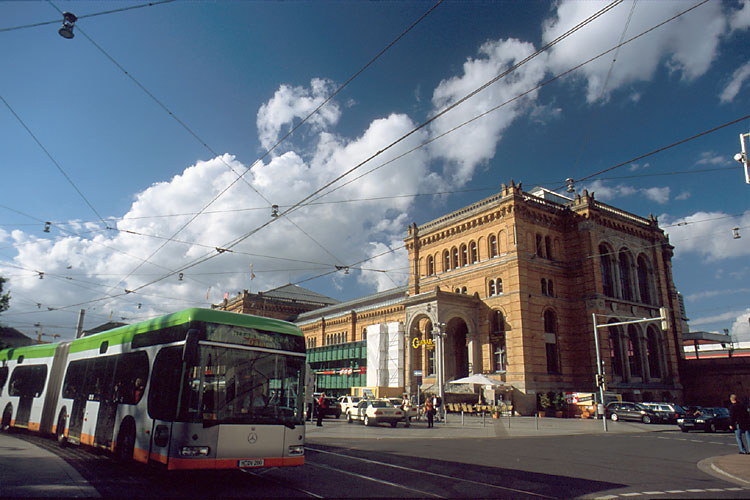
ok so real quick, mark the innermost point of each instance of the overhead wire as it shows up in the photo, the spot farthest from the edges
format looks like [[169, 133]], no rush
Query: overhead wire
[[205, 144]]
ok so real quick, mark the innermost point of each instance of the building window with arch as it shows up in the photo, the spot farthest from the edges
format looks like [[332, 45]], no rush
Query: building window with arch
[[550, 342], [626, 276], [652, 352], [608, 276], [464, 255], [548, 246], [491, 286], [550, 289], [454, 258], [497, 341], [539, 246], [473, 253], [492, 246], [364, 333], [499, 286], [457, 290], [446, 261], [464, 290], [615, 350], [544, 286], [430, 265], [634, 352], [645, 280]]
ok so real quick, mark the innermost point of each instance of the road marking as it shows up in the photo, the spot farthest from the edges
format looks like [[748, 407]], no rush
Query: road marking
[[653, 492], [696, 491], [631, 494], [505, 488], [716, 469], [675, 491]]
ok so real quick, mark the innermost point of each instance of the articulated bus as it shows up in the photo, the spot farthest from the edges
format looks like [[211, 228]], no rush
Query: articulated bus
[[198, 389]]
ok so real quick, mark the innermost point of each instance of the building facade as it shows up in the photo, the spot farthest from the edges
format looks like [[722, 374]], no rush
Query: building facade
[[515, 282]]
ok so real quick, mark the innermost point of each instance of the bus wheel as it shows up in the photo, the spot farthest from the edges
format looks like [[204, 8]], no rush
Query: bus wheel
[[60, 431], [125, 442], [7, 415]]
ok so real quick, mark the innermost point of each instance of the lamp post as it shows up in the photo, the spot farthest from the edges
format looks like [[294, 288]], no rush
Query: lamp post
[[440, 355]]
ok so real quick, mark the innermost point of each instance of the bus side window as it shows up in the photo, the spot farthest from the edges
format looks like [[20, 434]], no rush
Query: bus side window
[[3, 378], [130, 377], [165, 383], [28, 381]]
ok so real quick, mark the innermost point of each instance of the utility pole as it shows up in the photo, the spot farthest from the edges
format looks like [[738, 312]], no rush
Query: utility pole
[[600, 382], [440, 355], [742, 157]]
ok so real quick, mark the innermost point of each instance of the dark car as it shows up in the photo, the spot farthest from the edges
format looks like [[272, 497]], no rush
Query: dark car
[[666, 412], [332, 408], [625, 410], [707, 420]]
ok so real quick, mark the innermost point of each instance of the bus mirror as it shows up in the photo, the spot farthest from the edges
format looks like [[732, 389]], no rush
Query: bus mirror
[[190, 350]]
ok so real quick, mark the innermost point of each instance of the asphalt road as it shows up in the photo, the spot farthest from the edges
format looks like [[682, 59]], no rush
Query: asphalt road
[[617, 465]]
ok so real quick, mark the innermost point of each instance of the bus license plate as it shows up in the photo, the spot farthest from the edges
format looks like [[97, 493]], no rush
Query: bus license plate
[[258, 462]]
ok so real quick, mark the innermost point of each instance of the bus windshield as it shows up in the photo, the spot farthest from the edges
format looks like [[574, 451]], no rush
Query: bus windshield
[[241, 386]]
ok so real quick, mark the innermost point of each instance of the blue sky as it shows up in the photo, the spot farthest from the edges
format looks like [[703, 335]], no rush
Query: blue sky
[[130, 139]]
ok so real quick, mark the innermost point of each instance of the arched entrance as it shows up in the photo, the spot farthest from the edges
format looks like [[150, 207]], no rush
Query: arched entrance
[[420, 357], [456, 350]]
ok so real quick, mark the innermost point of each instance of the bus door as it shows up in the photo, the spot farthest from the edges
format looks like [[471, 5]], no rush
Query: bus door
[[107, 412], [27, 382], [76, 418]]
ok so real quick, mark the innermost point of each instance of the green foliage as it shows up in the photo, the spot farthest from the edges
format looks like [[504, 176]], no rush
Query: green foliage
[[544, 401], [559, 401]]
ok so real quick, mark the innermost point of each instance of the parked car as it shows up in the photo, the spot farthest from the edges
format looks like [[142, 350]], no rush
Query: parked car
[[347, 402], [375, 411], [410, 413], [666, 412], [625, 410], [707, 420], [332, 408]]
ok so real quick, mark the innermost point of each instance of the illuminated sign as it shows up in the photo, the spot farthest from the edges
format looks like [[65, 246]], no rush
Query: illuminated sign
[[417, 343]]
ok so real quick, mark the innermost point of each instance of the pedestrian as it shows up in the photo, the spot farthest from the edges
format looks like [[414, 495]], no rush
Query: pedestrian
[[322, 405], [429, 410], [405, 407], [739, 422], [437, 402]]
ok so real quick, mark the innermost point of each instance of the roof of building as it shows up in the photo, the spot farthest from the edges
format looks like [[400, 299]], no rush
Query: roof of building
[[298, 294], [380, 299], [13, 338]]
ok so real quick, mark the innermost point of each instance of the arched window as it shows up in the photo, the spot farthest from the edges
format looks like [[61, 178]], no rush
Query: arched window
[[491, 288], [430, 265], [499, 286], [615, 350], [446, 261], [548, 246], [634, 352], [645, 280], [464, 290], [497, 341], [492, 241], [454, 257], [539, 246], [550, 290], [473, 254], [652, 352], [626, 277], [464, 255], [608, 277], [550, 342], [457, 290], [544, 286], [364, 333]]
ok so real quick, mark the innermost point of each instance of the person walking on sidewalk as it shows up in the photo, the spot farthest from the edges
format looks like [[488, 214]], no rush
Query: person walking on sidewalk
[[739, 422], [322, 405]]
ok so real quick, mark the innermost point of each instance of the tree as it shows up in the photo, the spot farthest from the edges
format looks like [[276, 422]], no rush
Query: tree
[[4, 299]]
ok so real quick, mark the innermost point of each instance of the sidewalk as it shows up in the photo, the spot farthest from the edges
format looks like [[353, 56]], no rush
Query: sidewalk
[[27, 471]]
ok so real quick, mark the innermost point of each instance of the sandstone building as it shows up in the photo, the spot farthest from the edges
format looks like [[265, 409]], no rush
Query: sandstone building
[[514, 279]]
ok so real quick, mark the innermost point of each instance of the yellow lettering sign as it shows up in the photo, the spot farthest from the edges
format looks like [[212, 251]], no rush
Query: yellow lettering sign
[[417, 343]]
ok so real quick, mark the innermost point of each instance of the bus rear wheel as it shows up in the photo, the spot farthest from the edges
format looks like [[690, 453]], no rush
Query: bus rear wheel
[[7, 415], [60, 430], [125, 442]]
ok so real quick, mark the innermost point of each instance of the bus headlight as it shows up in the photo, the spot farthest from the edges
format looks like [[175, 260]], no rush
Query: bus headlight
[[195, 451], [297, 449]]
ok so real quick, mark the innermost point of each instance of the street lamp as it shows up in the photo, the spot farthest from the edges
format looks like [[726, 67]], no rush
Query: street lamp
[[66, 30], [440, 355]]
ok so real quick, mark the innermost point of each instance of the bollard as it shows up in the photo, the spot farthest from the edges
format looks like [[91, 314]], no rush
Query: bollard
[[462, 417]]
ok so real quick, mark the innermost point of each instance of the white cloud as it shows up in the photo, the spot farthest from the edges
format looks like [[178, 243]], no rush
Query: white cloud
[[485, 133], [682, 196], [739, 77], [740, 329], [290, 103], [710, 158], [740, 19], [708, 234], [706, 294], [687, 45], [658, 194]]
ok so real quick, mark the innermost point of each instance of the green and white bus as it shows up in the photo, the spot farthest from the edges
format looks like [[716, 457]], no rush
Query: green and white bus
[[198, 389]]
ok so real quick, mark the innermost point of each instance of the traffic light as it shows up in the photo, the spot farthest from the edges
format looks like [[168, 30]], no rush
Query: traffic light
[[664, 313]]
